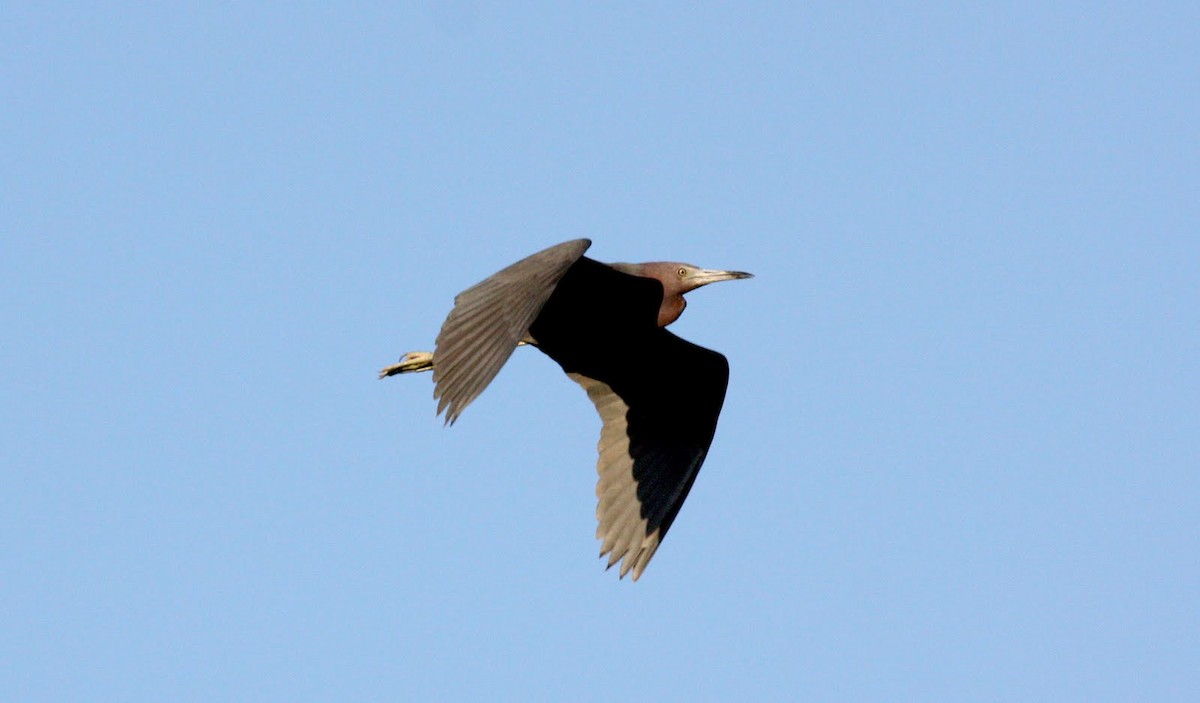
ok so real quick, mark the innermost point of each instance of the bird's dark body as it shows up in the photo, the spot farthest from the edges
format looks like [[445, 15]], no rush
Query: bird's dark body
[[601, 323]]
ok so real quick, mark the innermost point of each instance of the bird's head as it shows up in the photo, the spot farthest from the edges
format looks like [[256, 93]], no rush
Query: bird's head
[[677, 279]]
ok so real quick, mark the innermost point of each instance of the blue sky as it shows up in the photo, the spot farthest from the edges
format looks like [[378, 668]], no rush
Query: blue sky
[[958, 457]]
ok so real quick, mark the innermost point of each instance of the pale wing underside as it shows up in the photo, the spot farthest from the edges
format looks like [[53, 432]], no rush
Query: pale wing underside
[[489, 319], [621, 526], [651, 445]]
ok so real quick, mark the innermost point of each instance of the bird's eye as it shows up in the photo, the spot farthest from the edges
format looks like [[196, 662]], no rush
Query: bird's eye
[[682, 272]]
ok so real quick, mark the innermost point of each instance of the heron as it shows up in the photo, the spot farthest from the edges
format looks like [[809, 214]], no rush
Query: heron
[[658, 395]]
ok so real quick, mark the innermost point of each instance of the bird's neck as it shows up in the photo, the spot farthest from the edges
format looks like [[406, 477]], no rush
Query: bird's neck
[[663, 272], [670, 310]]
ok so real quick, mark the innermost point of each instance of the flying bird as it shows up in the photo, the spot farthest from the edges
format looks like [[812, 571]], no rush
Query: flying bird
[[658, 395]]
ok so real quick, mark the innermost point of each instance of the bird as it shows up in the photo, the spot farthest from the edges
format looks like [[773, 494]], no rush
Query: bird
[[658, 395]]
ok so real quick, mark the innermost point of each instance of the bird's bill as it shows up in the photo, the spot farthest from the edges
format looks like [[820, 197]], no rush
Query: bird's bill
[[703, 277]]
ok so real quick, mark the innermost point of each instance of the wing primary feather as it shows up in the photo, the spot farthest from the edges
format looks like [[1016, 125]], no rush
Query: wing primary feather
[[489, 319], [650, 448]]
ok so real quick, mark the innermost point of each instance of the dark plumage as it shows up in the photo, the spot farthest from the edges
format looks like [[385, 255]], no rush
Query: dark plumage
[[659, 396]]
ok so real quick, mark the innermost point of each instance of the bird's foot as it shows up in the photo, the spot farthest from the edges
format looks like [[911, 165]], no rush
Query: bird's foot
[[410, 363]]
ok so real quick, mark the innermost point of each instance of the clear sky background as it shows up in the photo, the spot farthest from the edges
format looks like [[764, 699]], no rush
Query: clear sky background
[[960, 455]]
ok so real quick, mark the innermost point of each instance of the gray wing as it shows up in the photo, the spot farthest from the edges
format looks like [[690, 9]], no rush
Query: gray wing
[[620, 524], [651, 445], [489, 319]]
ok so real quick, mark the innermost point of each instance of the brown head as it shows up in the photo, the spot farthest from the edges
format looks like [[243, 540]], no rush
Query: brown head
[[677, 279]]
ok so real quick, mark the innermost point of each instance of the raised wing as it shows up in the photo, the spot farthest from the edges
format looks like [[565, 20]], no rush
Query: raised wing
[[489, 319], [660, 412]]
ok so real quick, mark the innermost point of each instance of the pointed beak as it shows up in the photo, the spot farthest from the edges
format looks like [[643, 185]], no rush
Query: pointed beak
[[705, 276]]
